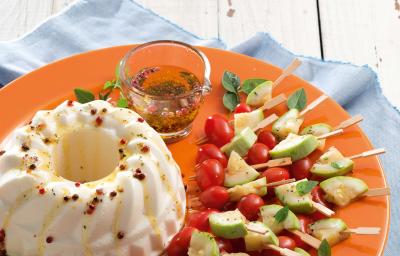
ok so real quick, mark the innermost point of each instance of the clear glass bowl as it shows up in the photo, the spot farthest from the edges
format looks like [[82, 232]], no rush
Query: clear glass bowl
[[170, 115]]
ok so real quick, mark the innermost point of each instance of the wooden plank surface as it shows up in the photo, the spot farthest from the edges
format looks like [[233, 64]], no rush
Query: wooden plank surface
[[294, 23], [364, 32]]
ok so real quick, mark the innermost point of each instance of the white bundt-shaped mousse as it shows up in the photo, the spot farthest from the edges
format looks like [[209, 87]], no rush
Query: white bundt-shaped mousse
[[88, 179]]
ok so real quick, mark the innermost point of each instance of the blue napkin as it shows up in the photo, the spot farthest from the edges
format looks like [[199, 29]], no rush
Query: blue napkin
[[92, 24]]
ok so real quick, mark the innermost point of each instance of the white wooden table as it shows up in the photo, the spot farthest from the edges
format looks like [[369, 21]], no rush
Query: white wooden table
[[357, 31]]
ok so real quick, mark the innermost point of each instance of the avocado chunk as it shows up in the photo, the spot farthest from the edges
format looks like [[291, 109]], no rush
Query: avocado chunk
[[329, 229], [203, 244], [241, 143], [332, 163], [251, 119], [229, 225], [318, 130], [258, 187], [342, 190], [289, 196], [268, 213], [295, 146], [301, 251], [256, 241], [289, 122], [238, 171], [261, 94]]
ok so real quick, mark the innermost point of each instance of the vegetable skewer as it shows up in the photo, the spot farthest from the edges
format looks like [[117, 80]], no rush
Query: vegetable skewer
[[287, 71]]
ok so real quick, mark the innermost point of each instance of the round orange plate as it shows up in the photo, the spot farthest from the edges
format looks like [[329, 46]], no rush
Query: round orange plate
[[49, 85]]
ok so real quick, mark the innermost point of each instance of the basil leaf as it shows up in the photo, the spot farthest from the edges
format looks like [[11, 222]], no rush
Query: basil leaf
[[83, 96], [297, 100], [122, 103], [249, 84], [230, 100], [108, 84], [324, 249], [305, 187], [230, 81], [117, 84], [337, 165], [282, 214]]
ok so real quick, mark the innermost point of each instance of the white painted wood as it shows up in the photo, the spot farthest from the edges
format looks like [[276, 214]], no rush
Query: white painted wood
[[294, 23], [365, 32], [197, 16], [20, 16]]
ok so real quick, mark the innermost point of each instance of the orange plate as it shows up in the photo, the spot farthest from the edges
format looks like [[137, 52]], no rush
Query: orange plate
[[45, 87]]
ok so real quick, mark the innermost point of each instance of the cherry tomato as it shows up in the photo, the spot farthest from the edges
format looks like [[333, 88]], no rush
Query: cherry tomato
[[199, 220], [210, 151], [249, 206], [238, 245], [275, 174], [242, 108], [224, 245], [214, 197], [318, 195], [267, 138], [300, 169], [218, 130], [179, 245], [210, 173], [286, 242], [258, 154]]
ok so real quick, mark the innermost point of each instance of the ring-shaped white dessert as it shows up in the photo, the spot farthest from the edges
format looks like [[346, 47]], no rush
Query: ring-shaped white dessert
[[88, 179]]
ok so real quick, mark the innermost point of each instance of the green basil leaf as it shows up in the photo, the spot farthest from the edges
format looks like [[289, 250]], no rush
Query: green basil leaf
[[305, 187], [122, 103], [297, 100], [282, 214], [108, 85], [117, 84], [104, 96], [324, 249], [83, 96], [249, 84], [337, 165], [230, 81], [230, 100]]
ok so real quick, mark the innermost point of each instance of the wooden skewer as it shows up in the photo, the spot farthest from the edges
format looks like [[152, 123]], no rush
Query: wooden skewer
[[329, 134], [323, 209], [372, 152], [282, 251], [349, 122], [273, 102], [377, 192], [287, 71], [278, 183], [256, 229], [313, 104], [201, 140], [267, 121], [308, 239], [273, 163], [363, 231]]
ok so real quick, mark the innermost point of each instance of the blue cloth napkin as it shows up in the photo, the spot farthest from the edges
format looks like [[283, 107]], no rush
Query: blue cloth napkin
[[92, 24]]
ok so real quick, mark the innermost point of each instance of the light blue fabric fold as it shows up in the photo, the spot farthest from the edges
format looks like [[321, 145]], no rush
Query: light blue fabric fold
[[93, 24]]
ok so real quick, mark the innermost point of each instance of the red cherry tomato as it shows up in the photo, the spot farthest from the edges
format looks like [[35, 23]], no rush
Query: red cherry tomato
[[224, 245], [267, 138], [210, 173], [275, 174], [318, 195], [199, 220], [286, 242], [214, 197], [249, 206], [258, 154], [179, 245], [218, 130], [242, 108], [210, 151], [300, 169]]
